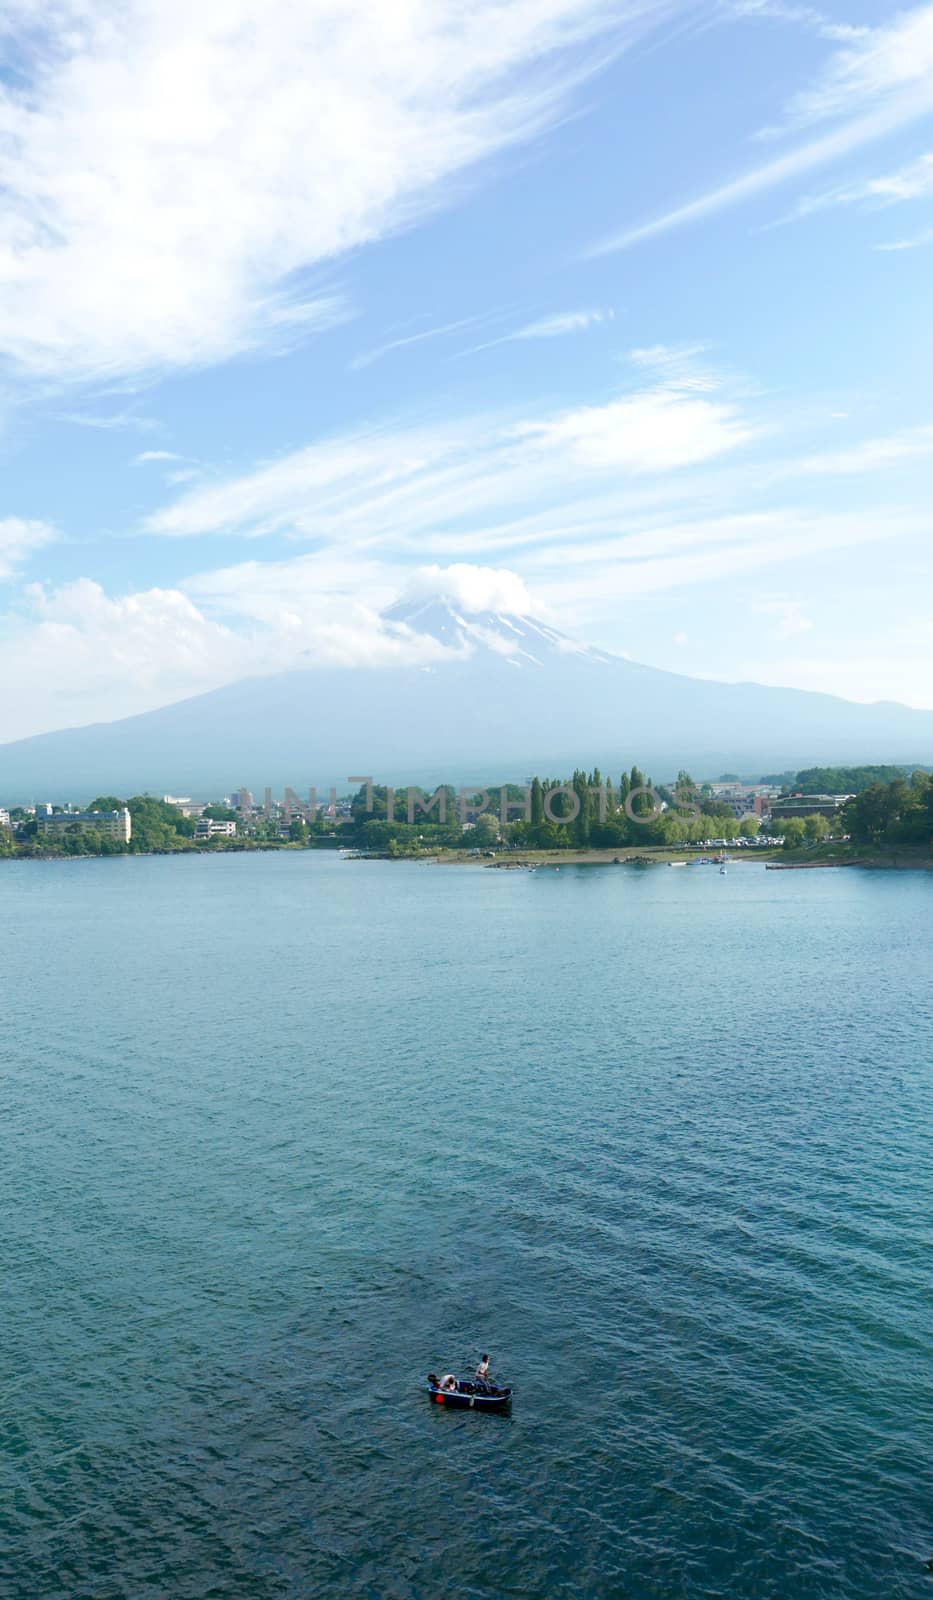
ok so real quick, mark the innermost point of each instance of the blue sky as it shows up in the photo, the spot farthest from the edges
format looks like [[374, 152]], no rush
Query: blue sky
[[619, 312]]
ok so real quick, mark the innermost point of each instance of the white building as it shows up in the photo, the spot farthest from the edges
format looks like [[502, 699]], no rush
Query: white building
[[112, 824], [184, 804], [4, 818], [210, 828]]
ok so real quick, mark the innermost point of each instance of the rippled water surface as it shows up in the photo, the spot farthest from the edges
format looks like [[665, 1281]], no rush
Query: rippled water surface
[[283, 1133]]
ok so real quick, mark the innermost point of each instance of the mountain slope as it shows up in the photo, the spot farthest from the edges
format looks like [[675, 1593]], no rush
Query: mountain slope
[[513, 697]]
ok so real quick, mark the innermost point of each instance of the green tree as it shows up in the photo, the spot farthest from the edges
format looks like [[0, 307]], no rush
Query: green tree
[[585, 808], [749, 826], [537, 803], [815, 827], [794, 833], [845, 780], [642, 804], [157, 825], [485, 831], [870, 814]]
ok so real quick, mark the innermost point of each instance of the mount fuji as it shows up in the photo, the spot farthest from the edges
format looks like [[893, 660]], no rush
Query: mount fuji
[[496, 696]]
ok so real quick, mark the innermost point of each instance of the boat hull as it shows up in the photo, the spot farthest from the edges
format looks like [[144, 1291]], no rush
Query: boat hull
[[460, 1400]]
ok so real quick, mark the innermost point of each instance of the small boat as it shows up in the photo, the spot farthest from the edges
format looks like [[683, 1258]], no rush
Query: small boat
[[469, 1396]]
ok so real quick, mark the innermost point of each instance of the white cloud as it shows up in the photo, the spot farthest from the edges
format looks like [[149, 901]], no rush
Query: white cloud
[[156, 455], [652, 432], [473, 588], [879, 83], [19, 537], [169, 171], [81, 656]]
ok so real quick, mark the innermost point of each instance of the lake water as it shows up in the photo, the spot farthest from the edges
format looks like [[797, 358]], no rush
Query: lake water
[[284, 1133]]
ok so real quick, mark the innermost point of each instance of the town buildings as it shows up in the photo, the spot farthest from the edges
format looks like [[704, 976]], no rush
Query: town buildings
[[745, 799]]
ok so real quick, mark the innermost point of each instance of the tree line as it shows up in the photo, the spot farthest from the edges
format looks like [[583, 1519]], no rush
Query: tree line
[[846, 780], [583, 811], [895, 813]]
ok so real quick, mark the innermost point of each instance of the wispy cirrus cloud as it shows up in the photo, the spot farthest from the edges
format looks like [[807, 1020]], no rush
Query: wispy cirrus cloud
[[870, 88], [106, 421], [592, 576], [557, 326], [803, 16], [872, 455], [387, 484], [887, 64], [911, 182], [368, 357], [177, 180]]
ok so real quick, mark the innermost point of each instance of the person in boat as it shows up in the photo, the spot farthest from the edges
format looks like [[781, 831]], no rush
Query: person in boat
[[448, 1383], [482, 1372]]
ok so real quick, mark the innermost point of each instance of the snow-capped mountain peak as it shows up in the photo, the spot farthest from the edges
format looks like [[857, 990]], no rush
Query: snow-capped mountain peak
[[521, 640]]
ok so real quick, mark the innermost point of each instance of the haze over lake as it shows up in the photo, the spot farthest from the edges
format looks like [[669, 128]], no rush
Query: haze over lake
[[286, 1132]]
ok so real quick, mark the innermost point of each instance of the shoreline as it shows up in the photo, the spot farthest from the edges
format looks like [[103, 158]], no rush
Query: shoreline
[[776, 860]]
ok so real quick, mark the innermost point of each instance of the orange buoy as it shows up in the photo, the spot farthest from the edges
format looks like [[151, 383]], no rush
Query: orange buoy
[[440, 1399]]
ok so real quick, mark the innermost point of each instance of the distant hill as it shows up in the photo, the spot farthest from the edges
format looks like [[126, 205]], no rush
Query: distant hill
[[515, 696]]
